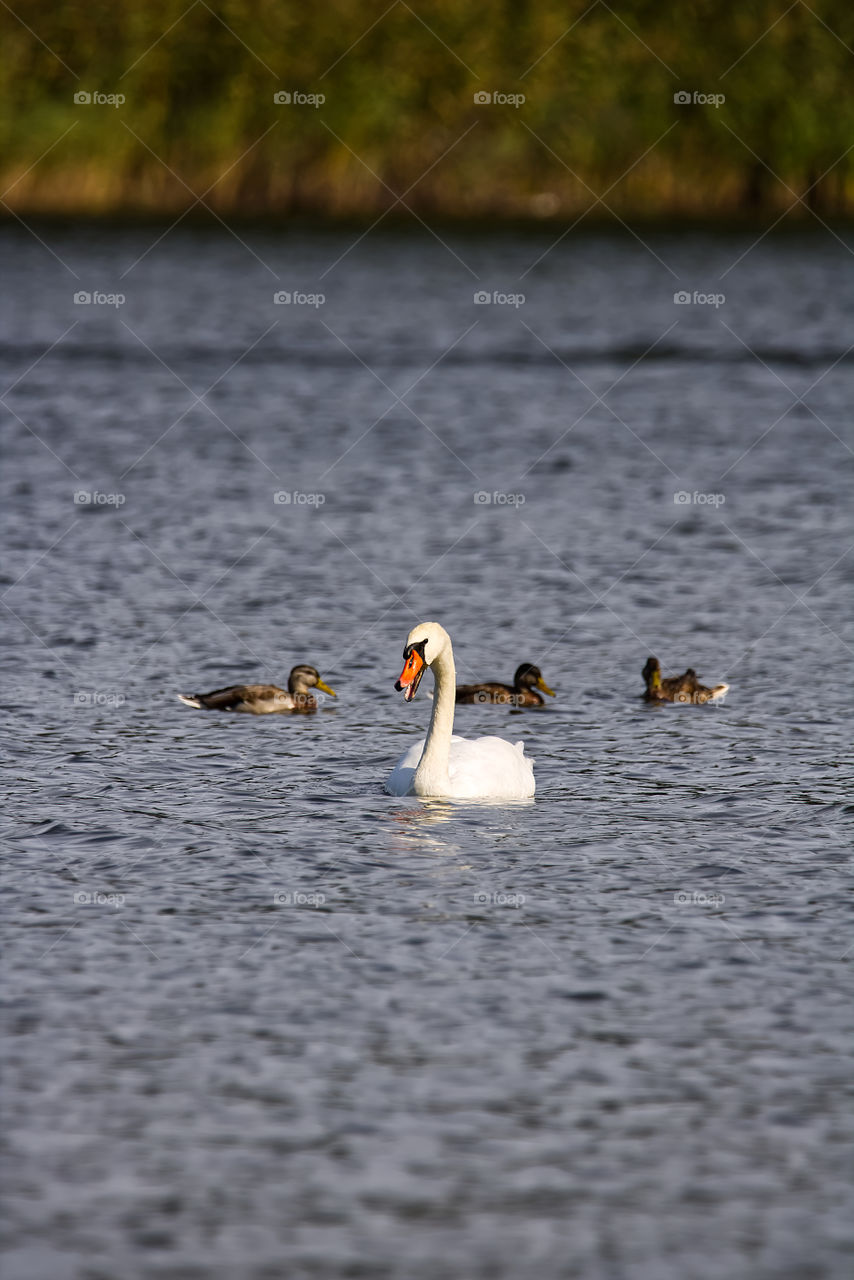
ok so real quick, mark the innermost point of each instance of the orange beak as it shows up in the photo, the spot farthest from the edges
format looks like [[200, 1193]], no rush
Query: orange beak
[[410, 676]]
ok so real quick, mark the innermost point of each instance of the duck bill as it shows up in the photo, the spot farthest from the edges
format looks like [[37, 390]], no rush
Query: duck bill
[[410, 677], [541, 684], [324, 688]]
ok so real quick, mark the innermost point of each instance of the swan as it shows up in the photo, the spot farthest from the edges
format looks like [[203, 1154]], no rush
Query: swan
[[684, 688], [522, 693], [265, 699], [444, 765]]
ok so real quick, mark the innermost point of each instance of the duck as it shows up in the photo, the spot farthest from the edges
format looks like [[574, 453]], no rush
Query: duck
[[265, 699], [684, 688], [522, 693], [444, 765]]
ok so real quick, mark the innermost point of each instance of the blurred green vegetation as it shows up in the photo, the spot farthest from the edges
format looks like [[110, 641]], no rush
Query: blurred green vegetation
[[400, 115]]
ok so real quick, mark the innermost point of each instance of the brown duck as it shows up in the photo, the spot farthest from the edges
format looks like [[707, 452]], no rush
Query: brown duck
[[522, 693], [265, 699], [684, 688]]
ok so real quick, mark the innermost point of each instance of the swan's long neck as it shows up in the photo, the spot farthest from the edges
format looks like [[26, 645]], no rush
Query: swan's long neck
[[431, 776]]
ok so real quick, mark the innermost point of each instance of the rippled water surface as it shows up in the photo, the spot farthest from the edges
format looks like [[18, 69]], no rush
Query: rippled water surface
[[264, 1020]]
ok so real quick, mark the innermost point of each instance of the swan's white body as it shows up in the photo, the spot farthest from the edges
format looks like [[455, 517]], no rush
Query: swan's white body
[[446, 765]]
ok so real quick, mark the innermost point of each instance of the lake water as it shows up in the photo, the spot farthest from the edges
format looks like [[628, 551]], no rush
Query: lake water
[[264, 1020]]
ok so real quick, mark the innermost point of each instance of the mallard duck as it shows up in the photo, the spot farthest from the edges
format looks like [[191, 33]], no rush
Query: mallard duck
[[684, 688], [522, 693], [265, 699], [443, 764]]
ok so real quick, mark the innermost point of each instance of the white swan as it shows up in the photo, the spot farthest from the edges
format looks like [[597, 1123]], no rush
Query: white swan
[[443, 764]]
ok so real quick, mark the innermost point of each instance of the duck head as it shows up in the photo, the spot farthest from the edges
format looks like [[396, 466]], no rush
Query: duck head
[[530, 677], [304, 677], [652, 675]]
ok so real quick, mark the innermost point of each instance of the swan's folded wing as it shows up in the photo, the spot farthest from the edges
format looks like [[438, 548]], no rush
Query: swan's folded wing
[[490, 766]]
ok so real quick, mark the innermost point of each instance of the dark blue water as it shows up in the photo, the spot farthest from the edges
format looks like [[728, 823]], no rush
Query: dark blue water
[[264, 1020]]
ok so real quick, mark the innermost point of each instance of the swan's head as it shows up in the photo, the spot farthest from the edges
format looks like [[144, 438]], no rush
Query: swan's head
[[652, 674], [424, 644], [529, 677], [304, 677]]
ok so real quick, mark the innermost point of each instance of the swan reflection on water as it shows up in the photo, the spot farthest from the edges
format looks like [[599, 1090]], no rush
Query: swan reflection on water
[[416, 823], [412, 824]]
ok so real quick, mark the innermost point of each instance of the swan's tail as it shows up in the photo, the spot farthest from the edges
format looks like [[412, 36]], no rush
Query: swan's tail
[[191, 699]]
